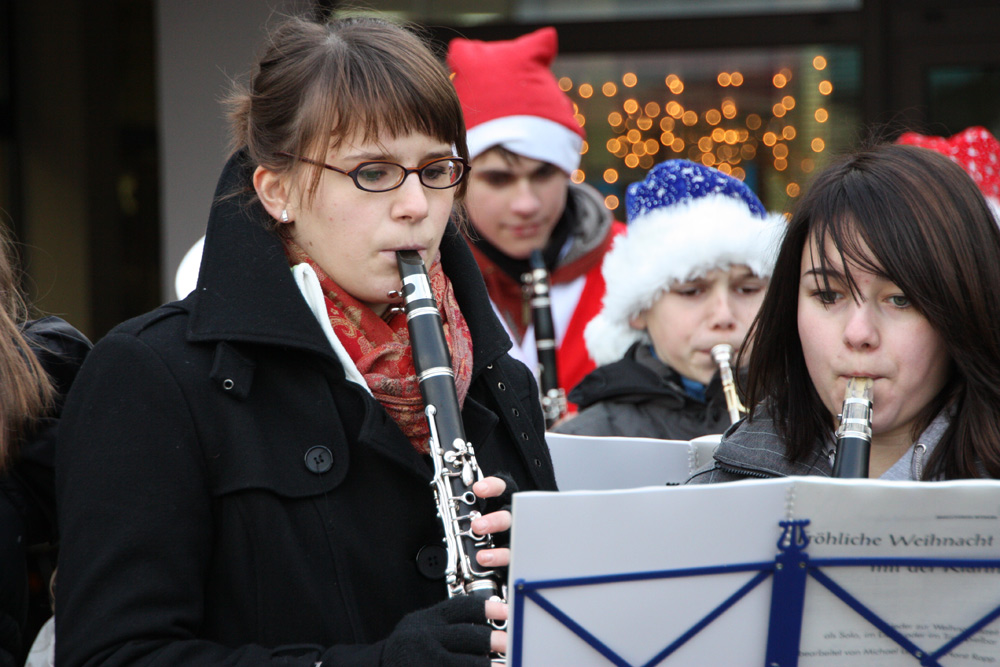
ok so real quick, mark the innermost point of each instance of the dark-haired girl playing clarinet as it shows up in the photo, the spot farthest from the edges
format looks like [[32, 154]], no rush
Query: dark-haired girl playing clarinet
[[889, 270]]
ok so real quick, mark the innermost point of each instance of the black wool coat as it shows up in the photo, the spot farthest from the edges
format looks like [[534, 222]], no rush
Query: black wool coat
[[228, 497]]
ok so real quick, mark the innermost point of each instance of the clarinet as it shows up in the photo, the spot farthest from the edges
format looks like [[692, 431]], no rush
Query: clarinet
[[854, 435], [455, 466], [535, 285], [722, 353]]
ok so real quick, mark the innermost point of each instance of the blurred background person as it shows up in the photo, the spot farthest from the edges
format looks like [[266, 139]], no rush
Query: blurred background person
[[525, 143], [976, 150], [689, 274], [38, 362]]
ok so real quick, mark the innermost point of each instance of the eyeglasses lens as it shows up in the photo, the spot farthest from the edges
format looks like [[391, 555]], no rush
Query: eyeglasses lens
[[442, 174], [379, 176], [383, 176]]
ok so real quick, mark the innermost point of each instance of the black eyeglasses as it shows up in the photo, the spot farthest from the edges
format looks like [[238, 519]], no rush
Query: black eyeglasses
[[378, 176]]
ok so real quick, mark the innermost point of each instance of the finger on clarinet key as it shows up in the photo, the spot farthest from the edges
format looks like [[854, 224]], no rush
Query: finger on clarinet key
[[497, 611], [494, 558], [494, 522], [498, 641], [489, 487]]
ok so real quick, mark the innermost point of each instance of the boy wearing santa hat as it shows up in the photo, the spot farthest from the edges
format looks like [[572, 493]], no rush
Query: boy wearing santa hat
[[690, 274], [525, 141]]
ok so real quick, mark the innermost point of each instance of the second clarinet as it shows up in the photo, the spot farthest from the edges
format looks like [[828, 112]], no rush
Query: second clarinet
[[536, 289], [854, 436]]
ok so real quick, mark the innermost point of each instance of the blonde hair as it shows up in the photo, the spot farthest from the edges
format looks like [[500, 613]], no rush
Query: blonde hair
[[26, 391]]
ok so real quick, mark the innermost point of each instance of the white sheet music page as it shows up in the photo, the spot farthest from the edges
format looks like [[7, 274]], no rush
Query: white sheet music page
[[928, 604], [584, 536]]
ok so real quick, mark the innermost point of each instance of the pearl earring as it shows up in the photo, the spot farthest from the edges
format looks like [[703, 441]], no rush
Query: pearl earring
[[284, 215]]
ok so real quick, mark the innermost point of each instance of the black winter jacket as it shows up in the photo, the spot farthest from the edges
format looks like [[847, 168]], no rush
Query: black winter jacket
[[640, 397], [199, 527], [27, 497]]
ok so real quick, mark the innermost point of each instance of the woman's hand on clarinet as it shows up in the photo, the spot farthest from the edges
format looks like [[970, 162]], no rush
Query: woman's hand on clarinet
[[497, 611], [494, 522]]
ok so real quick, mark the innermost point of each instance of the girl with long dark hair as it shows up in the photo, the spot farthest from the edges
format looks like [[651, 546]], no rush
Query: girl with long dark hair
[[889, 269]]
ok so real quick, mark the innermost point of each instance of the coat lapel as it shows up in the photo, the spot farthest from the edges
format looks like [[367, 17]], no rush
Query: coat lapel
[[254, 298]]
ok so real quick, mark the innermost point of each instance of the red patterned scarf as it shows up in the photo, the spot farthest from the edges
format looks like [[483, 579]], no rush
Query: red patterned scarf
[[380, 346]]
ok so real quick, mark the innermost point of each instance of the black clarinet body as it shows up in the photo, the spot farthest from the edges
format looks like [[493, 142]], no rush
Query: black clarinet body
[[455, 466], [854, 435], [536, 287]]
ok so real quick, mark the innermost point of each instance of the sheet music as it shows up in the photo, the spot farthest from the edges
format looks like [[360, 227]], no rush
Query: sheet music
[[927, 604], [589, 534]]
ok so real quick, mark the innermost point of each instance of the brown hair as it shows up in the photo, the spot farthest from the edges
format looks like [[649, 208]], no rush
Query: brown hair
[[26, 391], [355, 76], [930, 231]]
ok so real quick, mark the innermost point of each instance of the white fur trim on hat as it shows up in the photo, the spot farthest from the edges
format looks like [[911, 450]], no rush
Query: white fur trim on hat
[[673, 244], [530, 136]]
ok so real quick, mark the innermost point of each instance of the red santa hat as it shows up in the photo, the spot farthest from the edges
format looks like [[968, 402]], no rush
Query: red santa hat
[[975, 150], [511, 98]]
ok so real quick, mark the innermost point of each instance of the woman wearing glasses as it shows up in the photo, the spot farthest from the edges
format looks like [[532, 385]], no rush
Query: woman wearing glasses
[[244, 477]]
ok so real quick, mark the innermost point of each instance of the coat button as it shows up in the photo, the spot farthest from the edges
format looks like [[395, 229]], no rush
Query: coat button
[[431, 561], [319, 460]]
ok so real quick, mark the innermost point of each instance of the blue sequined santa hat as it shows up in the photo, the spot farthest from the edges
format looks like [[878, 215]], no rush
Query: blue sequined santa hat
[[685, 219]]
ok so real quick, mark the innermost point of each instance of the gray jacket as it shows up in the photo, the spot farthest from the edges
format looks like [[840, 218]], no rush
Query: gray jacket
[[754, 450]]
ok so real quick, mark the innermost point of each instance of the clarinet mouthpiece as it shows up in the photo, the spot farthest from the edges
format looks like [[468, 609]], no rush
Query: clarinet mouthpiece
[[854, 435], [856, 414]]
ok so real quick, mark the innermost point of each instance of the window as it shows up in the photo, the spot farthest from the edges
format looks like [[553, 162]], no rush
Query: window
[[770, 117], [963, 96], [461, 12]]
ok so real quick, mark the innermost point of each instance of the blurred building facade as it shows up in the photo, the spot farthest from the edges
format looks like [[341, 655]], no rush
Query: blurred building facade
[[112, 136]]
